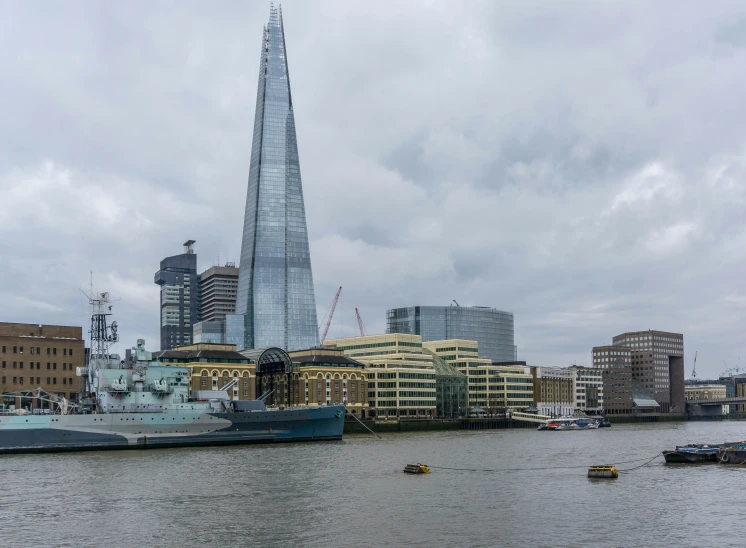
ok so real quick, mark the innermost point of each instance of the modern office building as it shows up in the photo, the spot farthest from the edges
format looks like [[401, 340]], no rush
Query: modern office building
[[616, 365], [40, 356], [491, 328], [493, 388], [217, 292], [275, 282], [401, 376], [657, 360], [178, 280]]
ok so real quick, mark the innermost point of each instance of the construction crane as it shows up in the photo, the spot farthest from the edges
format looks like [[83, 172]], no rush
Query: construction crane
[[455, 301], [363, 333], [330, 314], [694, 369]]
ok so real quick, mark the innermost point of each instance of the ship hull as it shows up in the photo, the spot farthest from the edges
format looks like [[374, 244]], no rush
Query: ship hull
[[57, 433]]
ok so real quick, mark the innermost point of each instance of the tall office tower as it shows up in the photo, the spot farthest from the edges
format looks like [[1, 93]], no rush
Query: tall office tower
[[658, 365], [179, 297], [275, 283], [491, 328], [217, 292]]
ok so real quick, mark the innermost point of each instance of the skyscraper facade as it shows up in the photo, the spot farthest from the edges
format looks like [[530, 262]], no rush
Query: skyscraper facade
[[491, 328], [275, 283], [179, 297]]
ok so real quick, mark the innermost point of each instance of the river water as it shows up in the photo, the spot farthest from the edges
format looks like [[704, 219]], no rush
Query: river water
[[353, 493]]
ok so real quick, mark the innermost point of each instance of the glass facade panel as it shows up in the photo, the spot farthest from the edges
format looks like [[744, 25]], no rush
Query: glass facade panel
[[275, 283], [491, 328]]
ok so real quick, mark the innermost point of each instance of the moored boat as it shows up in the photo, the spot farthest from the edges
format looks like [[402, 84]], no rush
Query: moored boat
[[690, 454], [732, 454], [570, 423]]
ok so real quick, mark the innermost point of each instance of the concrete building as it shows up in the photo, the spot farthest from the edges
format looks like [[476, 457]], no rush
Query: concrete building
[[40, 356], [179, 285], [657, 361], [217, 292], [554, 390], [492, 329], [615, 363], [588, 390], [495, 388], [401, 376], [209, 332]]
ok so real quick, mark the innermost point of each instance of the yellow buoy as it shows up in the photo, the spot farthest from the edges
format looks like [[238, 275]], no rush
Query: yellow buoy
[[606, 472], [418, 468]]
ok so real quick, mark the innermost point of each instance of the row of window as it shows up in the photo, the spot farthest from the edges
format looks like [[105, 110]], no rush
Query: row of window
[[53, 366], [37, 350], [50, 380]]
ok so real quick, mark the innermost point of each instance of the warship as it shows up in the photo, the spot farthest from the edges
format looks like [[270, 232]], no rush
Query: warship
[[138, 404]]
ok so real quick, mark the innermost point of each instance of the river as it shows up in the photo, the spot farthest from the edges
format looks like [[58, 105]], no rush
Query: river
[[353, 493]]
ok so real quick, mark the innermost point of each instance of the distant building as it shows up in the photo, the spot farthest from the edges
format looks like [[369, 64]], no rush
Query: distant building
[[491, 328], [209, 332], [178, 281], [401, 376], [217, 292], [554, 390], [657, 360], [699, 392], [588, 390], [616, 365], [40, 356], [493, 387]]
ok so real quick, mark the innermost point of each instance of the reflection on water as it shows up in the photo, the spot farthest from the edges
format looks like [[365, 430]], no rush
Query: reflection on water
[[353, 493]]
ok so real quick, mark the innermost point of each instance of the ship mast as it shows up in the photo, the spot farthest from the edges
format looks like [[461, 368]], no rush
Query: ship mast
[[103, 336]]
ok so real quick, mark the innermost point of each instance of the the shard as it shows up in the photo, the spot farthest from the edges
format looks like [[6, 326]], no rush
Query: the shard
[[275, 283]]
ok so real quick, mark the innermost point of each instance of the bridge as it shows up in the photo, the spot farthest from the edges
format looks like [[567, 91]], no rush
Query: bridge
[[705, 407]]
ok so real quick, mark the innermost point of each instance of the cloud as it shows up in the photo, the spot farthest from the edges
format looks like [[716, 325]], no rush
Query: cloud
[[580, 167]]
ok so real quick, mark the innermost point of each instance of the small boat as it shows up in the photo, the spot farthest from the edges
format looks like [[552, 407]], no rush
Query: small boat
[[570, 423], [692, 453], [731, 454]]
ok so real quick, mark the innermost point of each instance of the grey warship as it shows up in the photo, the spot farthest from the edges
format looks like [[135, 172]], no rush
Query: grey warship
[[141, 404]]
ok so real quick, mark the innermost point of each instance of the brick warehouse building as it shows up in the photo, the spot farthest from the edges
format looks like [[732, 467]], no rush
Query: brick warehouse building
[[35, 355]]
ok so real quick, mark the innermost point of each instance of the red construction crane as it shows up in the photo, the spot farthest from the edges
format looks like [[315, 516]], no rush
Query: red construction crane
[[330, 313], [360, 323]]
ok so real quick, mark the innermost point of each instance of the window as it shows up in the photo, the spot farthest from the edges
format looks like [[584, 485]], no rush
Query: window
[[20, 350], [38, 365], [15, 380], [38, 350], [64, 351], [3, 365], [48, 351], [54, 380], [15, 365], [70, 352], [20, 380], [48, 365], [38, 380], [54, 366], [64, 366], [49, 381], [3, 350], [54, 351], [32, 349], [20, 365], [204, 383], [15, 351]]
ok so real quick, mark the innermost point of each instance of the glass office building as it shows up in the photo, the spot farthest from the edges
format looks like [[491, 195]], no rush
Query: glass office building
[[275, 283], [491, 328]]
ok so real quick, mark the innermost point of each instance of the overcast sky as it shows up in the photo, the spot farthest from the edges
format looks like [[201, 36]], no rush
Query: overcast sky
[[580, 164]]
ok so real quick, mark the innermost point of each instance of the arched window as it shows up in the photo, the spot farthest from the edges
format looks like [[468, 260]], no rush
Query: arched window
[[245, 374], [235, 373], [214, 373], [225, 373], [204, 372], [353, 376], [319, 376], [344, 377]]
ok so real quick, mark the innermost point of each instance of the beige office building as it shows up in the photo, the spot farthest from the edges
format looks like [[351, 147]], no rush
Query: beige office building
[[494, 388], [401, 376]]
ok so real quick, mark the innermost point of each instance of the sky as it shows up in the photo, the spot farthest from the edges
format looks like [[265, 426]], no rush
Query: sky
[[580, 164]]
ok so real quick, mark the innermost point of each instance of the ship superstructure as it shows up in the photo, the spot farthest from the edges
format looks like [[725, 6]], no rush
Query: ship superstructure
[[138, 403]]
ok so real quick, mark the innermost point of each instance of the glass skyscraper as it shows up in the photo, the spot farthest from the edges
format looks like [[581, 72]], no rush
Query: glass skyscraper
[[491, 328], [275, 283]]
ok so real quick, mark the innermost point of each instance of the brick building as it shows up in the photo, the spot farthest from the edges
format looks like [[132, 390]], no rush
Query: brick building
[[35, 355]]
